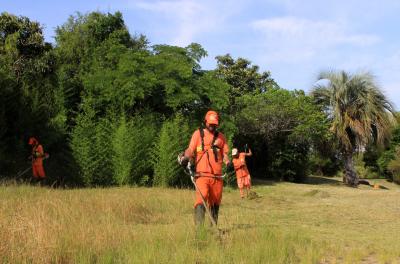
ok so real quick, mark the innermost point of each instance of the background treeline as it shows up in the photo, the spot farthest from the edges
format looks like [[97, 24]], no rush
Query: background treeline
[[111, 109]]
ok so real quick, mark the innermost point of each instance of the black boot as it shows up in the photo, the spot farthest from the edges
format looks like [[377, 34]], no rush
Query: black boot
[[214, 212], [199, 212]]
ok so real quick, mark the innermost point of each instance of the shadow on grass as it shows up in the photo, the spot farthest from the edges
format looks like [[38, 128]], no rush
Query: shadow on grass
[[262, 182], [314, 180], [363, 183], [320, 180]]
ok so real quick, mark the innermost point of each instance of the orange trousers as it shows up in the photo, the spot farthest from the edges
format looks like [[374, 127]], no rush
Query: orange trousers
[[38, 171], [243, 182], [211, 189]]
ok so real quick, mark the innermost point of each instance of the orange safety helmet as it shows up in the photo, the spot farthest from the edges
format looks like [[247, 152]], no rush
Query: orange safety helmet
[[33, 141], [212, 118]]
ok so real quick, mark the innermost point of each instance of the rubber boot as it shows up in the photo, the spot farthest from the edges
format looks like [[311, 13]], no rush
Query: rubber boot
[[214, 212], [199, 212]]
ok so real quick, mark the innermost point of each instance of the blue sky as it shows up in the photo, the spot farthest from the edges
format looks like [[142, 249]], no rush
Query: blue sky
[[292, 39]]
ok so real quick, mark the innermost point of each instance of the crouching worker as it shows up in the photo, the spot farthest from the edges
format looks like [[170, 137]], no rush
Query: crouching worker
[[242, 173], [208, 149], [37, 159]]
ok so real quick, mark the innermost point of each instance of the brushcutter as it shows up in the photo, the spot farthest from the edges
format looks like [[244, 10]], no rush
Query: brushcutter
[[46, 156], [189, 170], [23, 172]]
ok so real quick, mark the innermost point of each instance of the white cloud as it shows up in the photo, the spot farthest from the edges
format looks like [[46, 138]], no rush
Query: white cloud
[[294, 46], [301, 38], [182, 13], [190, 18]]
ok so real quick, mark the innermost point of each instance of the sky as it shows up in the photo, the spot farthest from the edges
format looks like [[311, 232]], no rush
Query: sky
[[293, 39]]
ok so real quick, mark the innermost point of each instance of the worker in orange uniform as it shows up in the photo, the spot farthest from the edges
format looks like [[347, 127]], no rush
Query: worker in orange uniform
[[209, 150], [242, 173], [37, 159]]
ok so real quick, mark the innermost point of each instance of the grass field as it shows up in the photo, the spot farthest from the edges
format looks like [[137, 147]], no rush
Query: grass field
[[319, 222]]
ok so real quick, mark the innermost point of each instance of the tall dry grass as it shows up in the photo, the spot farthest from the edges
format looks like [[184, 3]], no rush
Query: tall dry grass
[[289, 224]]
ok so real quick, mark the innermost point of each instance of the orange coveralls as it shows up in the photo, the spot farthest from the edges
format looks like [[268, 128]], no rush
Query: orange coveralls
[[242, 173], [207, 166], [37, 162]]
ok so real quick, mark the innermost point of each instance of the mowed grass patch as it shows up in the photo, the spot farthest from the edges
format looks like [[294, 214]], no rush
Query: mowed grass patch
[[285, 223]]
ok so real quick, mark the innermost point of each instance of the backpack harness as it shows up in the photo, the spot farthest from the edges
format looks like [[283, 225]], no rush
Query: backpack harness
[[214, 148]]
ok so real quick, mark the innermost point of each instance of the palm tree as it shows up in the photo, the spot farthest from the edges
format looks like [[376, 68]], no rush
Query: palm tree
[[359, 112]]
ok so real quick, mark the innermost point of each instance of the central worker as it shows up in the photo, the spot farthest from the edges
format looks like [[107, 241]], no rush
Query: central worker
[[209, 149]]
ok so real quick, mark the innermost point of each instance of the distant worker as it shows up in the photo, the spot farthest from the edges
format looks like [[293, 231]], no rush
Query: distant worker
[[209, 149], [37, 159], [242, 173]]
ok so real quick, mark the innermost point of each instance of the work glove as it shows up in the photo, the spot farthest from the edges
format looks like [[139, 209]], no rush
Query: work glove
[[182, 160]]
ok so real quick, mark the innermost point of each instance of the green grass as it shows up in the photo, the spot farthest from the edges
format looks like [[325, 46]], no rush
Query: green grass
[[322, 222]]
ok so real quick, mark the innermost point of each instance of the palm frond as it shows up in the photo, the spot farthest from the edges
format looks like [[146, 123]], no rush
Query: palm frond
[[360, 113]]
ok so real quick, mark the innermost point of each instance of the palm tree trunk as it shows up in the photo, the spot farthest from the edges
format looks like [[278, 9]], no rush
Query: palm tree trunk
[[351, 177]]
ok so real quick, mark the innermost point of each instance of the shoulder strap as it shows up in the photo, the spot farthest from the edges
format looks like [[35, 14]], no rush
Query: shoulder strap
[[214, 138], [214, 147], [201, 131], [202, 138]]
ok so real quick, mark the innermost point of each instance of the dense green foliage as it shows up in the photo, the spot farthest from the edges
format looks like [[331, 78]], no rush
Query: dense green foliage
[[286, 125], [174, 137], [119, 81], [394, 166], [29, 95], [113, 110], [389, 158]]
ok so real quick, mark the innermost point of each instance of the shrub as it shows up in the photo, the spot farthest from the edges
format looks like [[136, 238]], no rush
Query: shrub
[[173, 139], [290, 163], [324, 164], [91, 149], [131, 142], [394, 166], [389, 154]]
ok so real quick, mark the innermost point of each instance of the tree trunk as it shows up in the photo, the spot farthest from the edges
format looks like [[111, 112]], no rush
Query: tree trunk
[[351, 177]]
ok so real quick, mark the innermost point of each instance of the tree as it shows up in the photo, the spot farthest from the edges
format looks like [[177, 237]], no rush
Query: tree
[[28, 98], [89, 47], [394, 166], [282, 126], [243, 77], [359, 114], [389, 154], [110, 78]]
